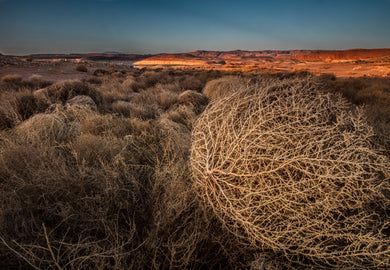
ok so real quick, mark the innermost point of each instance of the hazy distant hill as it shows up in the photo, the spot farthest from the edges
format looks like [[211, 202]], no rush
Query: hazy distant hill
[[106, 56], [202, 55]]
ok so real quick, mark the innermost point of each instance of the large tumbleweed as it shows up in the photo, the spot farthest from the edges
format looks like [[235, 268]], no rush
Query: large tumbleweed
[[291, 171]]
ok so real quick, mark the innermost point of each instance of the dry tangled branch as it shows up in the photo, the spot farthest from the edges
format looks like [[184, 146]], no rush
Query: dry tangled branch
[[291, 171]]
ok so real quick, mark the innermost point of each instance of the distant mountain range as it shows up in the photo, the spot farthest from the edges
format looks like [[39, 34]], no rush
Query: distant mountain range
[[106, 56], [202, 55]]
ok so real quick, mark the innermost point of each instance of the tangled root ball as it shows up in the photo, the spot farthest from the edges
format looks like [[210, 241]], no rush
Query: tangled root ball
[[291, 171]]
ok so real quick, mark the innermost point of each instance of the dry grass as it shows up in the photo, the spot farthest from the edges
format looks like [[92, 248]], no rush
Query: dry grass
[[98, 190], [292, 171], [111, 188]]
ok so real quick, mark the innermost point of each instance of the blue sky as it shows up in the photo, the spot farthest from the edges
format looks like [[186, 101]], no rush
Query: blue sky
[[152, 26]]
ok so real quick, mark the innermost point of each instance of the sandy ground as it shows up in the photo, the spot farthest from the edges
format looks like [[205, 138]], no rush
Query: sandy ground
[[55, 70], [375, 67]]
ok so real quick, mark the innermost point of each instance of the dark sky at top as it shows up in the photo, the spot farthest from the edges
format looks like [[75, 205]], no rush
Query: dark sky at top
[[151, 26]]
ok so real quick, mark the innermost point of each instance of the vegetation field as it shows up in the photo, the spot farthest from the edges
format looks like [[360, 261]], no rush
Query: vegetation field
[[191, 169]]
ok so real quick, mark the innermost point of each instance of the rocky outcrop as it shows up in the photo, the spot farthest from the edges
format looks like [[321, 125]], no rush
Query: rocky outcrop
[[172, 59], [353, 54]]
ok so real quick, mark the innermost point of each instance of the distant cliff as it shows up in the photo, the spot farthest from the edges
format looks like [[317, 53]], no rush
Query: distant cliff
[[352, 54], [183, 59]]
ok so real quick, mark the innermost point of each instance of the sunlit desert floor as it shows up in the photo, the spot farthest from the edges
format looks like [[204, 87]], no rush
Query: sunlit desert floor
[[343, 64], [340, 68]]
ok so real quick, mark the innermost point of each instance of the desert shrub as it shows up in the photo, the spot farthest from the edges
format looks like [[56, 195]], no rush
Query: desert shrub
[[222, 87], [150, 78], [12, 79], [75, 114], [65, 205], [181, 231], [8, 116], [350, 88], [94, 150], [14, 83], [183, 114], [36, 82], [46, 128], [61, 92], [11, 82], [193, 98], [171, 87], [161, 97], [113, 90], [115, 193], [113, 189], [81, 68], [374, 94], [191, 83], [327, 77], [130, 84], [177, 134], [179, 237], [146, 104], [292, 172], [94, 80], [209, 75], [102, 124], [25, 104], [81, 199], [100, 72], [134, 109], [101, 201], [118, 74]]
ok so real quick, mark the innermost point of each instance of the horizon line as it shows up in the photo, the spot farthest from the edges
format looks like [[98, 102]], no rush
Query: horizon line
[[180, 52]]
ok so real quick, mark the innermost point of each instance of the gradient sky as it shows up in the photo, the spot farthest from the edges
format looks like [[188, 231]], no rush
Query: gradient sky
[[152, 26]]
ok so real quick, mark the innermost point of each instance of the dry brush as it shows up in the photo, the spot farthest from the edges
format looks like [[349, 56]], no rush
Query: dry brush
[[291, 172]]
